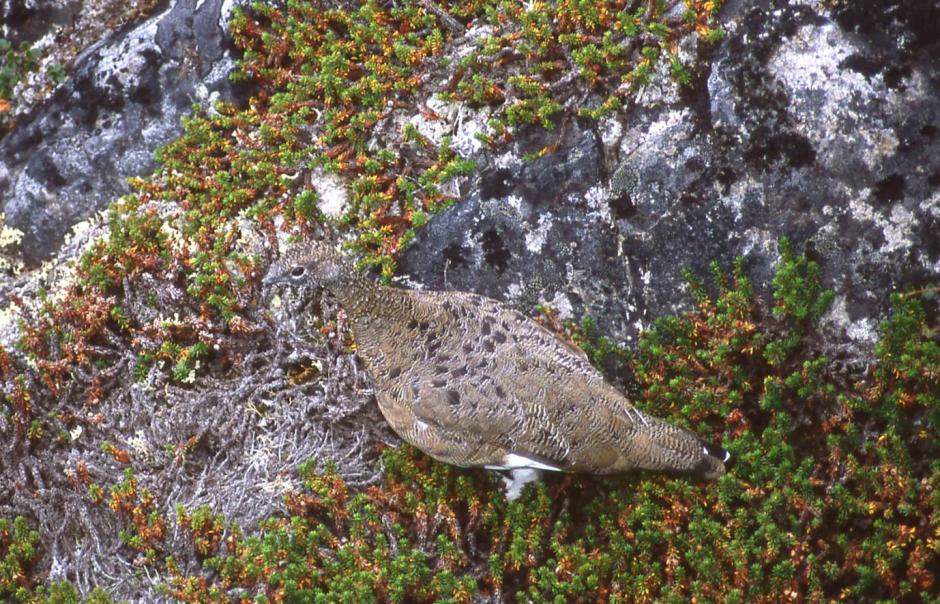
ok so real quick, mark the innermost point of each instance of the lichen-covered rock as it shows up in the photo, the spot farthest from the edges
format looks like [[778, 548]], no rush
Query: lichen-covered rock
[[810, 124], [125, 96], [533, 231]]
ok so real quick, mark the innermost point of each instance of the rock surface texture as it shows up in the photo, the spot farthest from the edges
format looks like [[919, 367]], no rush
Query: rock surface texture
[[824, 128], [125, 96], [821, 126]]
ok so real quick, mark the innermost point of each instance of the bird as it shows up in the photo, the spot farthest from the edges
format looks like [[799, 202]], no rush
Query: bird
[[473, 382]]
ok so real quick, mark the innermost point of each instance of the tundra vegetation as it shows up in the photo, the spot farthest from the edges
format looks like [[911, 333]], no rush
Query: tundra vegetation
[[835, 493], [15, 64]]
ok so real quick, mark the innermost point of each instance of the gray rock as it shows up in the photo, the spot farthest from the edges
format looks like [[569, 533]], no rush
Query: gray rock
[[533, 232], [812, 125], [30, 20], [69, 157]]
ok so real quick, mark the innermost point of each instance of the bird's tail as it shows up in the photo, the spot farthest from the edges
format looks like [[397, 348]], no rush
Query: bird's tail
[[676, 449], [713, 461]]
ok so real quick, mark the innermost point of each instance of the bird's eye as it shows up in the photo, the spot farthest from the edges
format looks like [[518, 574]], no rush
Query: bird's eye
[[297, 272]]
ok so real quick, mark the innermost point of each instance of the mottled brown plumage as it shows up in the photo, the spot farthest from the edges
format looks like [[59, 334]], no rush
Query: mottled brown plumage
[[472, 382]]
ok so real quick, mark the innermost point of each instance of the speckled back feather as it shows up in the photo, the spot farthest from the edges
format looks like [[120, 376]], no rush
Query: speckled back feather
[[474, 383]]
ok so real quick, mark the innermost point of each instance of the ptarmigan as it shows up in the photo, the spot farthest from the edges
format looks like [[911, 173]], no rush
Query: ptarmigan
[[472, 382]]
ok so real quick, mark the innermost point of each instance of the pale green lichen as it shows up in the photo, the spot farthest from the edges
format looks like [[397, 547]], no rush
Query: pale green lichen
[[10, 238]]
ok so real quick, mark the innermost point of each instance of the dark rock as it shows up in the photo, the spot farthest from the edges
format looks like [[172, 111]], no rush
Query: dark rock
[[818, 127], [28, 21], [69, 157], [533, 232]]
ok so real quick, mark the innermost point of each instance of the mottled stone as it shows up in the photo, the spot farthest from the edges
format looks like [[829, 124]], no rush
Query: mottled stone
[[808, 124], [125, 96]]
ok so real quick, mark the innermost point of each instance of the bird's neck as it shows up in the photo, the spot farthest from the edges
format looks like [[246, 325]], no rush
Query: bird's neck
[[379, 320], [372, 306]]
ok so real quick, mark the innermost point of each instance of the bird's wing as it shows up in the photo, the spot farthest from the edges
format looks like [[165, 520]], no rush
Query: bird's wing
[[513, 383]]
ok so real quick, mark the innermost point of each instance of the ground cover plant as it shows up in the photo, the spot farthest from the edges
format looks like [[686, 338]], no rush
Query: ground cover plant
[[15, 63], [833, 494]]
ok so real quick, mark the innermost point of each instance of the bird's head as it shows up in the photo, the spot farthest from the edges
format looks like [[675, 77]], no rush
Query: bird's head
[[310, 265]]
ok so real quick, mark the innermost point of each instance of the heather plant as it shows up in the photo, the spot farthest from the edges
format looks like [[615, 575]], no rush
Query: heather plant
[[15, 62], [830, 497]]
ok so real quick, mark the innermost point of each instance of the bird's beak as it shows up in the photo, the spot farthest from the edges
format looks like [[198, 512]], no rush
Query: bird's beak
[[269, 281], [269, 286]]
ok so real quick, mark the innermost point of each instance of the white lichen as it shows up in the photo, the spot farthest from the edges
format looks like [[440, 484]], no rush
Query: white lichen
[[535, 237], [334, 197], [829, 113], [10, 238], [864, 331]]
